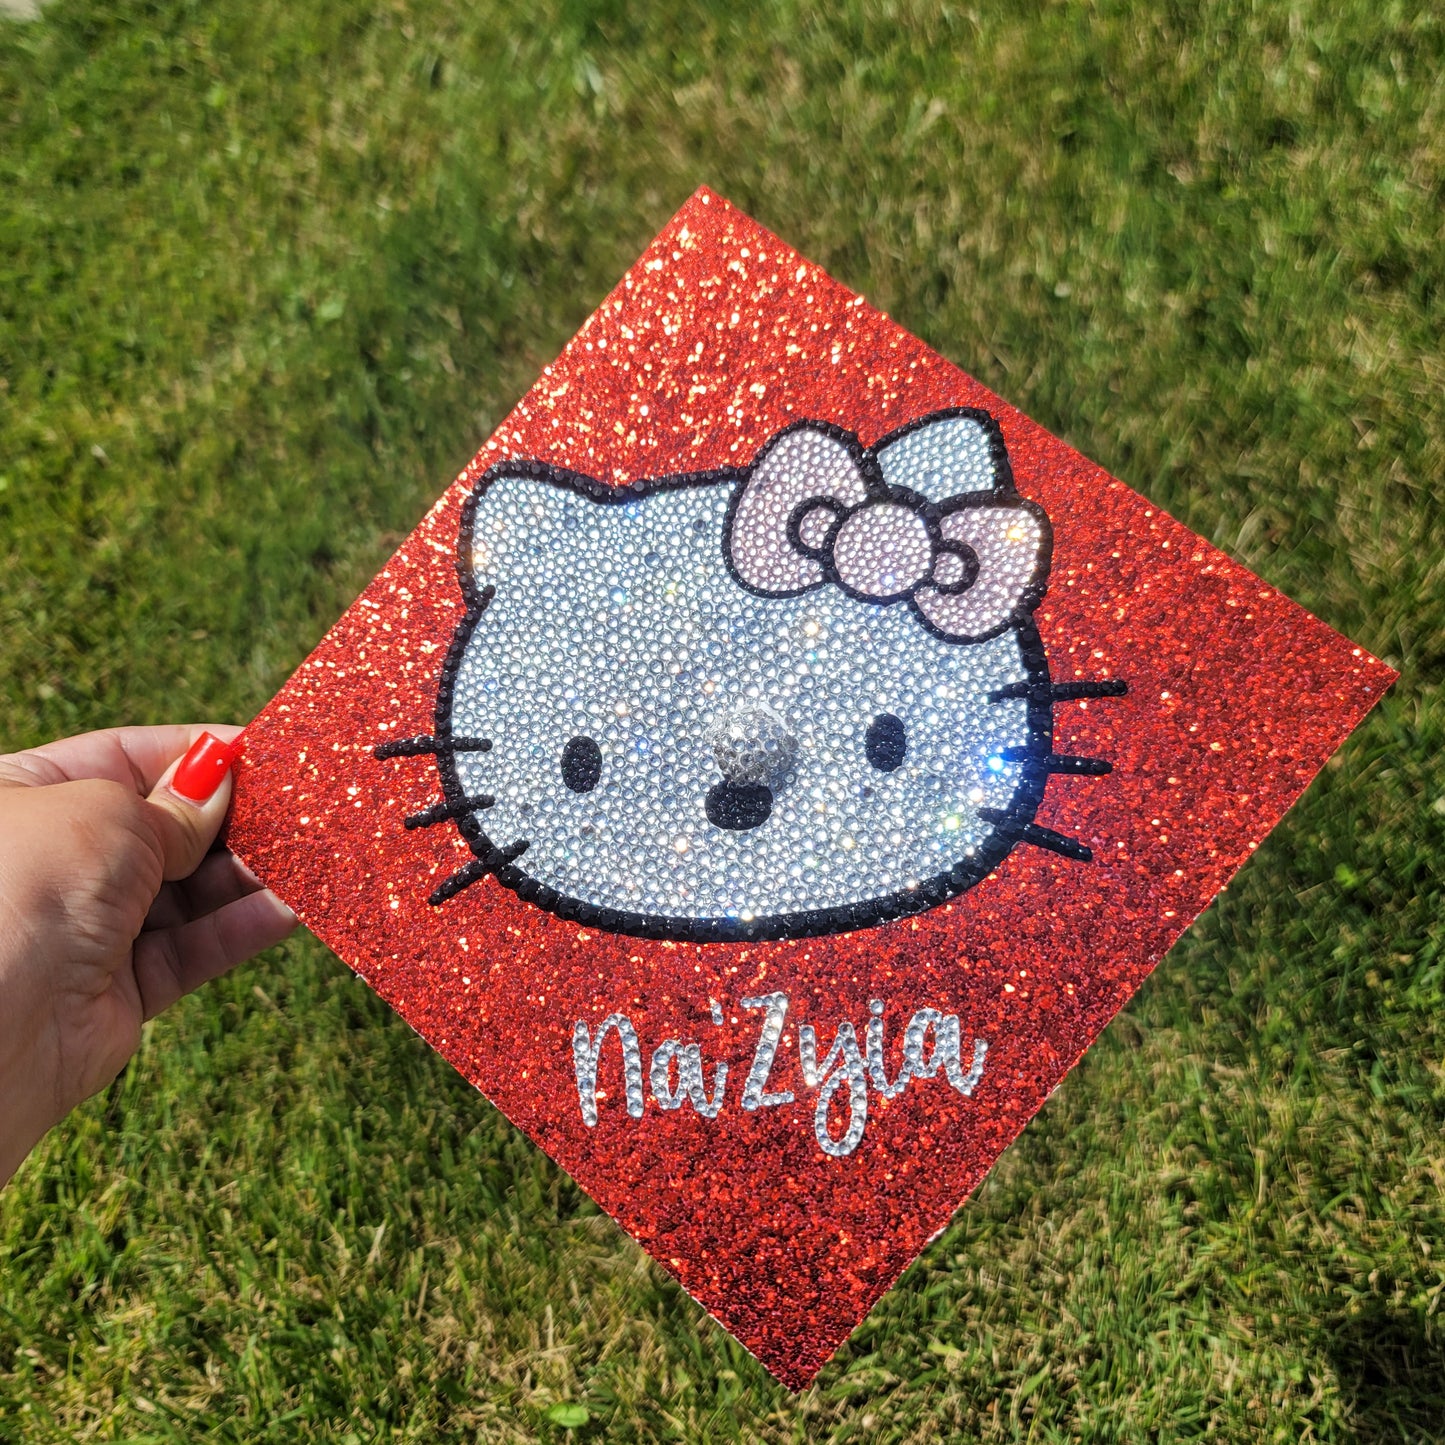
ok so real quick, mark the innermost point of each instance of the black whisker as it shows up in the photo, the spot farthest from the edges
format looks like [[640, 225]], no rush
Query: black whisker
[[472, 873], [1070, 691], [1042, 837], [476, 870], [1060, 762], [463, 808], [1060, 691], [426, 745]]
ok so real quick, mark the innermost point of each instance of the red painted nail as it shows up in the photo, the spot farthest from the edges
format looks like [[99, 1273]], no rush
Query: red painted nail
[[203, 768]]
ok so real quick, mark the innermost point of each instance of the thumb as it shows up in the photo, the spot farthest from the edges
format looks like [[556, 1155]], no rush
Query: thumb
[[189, 803]]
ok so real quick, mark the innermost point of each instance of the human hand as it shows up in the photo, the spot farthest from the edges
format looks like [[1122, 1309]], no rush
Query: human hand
[[113, 904]]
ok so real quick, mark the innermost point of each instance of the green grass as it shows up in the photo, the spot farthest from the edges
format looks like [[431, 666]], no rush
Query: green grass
[[268, 274]]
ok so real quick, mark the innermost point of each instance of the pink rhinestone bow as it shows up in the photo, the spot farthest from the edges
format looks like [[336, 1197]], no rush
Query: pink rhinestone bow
[[818, 507]]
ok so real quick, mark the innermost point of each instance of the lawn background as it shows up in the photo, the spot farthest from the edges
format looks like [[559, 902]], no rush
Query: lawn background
[[268, 275]]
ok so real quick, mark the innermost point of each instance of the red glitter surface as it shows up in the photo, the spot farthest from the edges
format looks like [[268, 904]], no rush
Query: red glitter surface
[[716, 338]]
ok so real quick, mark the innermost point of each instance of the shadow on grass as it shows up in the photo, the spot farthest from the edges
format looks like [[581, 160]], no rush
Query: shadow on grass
[[1391, 1368]]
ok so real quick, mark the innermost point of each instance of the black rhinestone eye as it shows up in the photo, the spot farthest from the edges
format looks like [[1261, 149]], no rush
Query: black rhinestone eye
[[886, 742], [581, 764]]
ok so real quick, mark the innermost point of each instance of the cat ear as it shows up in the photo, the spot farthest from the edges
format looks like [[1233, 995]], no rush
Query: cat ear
[[944, 457], [514, 519]]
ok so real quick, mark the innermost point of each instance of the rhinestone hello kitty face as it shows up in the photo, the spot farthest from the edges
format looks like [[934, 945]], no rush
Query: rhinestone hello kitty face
[[796, 698]]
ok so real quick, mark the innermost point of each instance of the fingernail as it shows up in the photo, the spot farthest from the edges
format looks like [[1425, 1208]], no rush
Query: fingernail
[[203, 768]]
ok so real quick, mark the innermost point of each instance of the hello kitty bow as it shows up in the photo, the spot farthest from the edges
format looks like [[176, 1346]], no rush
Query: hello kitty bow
[[928, 516]]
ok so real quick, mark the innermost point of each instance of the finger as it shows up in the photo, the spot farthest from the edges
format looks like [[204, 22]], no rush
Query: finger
[[137, 756], [188, 805], [221, 879], [171, 962]]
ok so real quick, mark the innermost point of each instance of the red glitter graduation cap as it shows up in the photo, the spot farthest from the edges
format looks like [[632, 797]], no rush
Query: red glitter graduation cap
[[771, 764]]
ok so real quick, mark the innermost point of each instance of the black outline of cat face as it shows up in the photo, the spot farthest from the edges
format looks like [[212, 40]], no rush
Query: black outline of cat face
[[1008, 826]]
